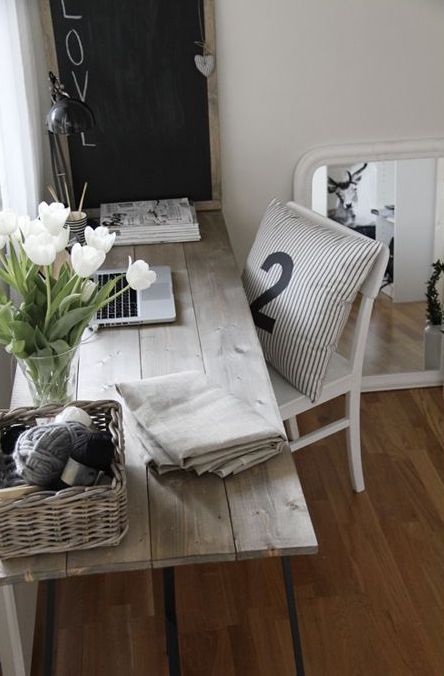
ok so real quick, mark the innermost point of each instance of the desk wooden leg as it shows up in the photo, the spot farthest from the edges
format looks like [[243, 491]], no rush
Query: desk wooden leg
[[292, 614], [49, 628], [172, 637], [17, 617]]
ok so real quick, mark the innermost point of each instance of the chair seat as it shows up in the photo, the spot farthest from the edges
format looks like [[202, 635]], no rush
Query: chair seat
[[291, 402]]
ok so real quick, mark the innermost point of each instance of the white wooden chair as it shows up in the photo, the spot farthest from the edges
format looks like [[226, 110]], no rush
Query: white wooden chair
[[343, 375]]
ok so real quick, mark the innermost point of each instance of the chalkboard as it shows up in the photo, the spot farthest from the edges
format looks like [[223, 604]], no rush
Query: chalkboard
[[133, 63]]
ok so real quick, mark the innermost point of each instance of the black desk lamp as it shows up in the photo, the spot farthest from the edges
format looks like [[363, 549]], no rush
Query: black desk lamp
[[66, 116]]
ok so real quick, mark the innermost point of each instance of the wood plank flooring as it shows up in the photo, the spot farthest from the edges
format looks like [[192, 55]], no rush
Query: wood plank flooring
[[395, 338], [371, 603]]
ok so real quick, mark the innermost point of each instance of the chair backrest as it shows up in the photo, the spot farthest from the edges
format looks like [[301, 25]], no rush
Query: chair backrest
[[369, 289]]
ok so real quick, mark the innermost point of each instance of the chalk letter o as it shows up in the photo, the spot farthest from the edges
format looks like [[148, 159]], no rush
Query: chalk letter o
[[68, 51]]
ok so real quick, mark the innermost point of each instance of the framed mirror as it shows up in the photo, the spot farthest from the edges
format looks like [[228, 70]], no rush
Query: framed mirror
[[393, 192]]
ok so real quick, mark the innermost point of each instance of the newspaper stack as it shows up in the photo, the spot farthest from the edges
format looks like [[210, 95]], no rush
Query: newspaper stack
[[152, 221]]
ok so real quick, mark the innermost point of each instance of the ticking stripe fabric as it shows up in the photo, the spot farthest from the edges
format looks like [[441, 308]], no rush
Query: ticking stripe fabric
[[301, 279]]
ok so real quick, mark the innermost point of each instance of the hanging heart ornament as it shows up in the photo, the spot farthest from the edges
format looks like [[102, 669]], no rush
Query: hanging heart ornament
[[205, 63]]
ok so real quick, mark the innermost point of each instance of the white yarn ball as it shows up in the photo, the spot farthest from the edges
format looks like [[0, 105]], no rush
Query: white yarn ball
[[74, 414]]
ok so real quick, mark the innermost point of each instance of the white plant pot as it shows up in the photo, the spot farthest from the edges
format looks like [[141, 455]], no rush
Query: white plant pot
[[433, 338]]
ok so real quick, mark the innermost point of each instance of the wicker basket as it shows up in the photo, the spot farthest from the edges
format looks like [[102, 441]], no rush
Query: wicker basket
[[73, 518]]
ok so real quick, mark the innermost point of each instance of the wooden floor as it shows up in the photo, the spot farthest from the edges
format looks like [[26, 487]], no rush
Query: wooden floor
[[395, 338], [371, 603]]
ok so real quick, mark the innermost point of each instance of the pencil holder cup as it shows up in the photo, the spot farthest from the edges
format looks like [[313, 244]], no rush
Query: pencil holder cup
[[77, 223]]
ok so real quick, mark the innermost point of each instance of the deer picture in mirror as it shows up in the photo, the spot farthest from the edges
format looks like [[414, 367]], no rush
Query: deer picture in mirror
[[346, 192], [393, 192]]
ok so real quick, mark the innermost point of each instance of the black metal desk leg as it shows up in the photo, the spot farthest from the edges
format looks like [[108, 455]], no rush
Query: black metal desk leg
[[292, 614], [172, 637], [49, 628]]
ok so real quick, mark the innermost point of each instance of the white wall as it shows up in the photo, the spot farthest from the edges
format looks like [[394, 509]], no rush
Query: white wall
[[415, 201], [294, 74]]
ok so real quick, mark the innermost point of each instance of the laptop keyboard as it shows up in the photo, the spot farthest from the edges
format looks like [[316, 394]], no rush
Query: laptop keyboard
[[122, 307]]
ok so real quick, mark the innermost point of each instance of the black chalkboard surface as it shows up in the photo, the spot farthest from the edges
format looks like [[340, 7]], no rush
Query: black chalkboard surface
[[133, 64]]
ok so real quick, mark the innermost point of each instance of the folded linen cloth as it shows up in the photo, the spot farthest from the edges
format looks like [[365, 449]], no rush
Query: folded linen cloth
[[186, 422]]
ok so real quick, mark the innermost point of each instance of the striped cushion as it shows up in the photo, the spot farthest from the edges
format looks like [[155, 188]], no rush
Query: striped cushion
[[301, 279]]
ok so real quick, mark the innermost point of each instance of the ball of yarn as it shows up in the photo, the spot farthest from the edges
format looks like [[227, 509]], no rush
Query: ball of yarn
[[98, 452], [74, 414], [8, 472], [41, 452], [97, 456]]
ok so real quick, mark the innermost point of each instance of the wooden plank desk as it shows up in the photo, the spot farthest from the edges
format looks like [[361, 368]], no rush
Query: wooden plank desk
[[179, 518]]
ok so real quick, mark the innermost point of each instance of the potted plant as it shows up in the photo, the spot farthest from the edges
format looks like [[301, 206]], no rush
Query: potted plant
[[434, 325], [51, 305]]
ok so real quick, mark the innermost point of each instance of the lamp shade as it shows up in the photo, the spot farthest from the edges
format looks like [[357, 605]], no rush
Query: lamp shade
[[69, 116]]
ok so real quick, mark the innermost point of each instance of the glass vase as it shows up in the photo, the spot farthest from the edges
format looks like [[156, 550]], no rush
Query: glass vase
[[53, 379]]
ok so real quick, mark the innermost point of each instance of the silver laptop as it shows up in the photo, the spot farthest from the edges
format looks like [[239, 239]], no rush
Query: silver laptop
[[151, 306]]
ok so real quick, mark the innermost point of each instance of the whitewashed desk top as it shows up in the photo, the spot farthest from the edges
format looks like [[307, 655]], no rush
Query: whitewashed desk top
[[181, 518]]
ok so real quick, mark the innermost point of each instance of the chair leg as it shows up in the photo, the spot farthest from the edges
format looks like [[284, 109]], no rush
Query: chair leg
[[291, 427], [353, 433]]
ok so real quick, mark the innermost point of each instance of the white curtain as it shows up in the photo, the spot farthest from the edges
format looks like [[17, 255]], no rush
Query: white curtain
[[22, 114]]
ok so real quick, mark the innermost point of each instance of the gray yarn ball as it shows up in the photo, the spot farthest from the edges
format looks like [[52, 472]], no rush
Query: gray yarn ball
[[42, 452], [8, 472]]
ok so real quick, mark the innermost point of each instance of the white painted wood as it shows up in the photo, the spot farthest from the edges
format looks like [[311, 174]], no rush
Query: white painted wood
[[321, 433], [319, 191], [377, 152], [17, 619], [356, 152], [292, 429], [353, 434], [343, 375], [338, 381], [402, 381]]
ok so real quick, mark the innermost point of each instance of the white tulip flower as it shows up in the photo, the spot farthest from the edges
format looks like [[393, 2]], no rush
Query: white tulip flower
[[61, 240], [88, 289], [40, 248], [53, 216], [3, 240], [8, 222], [139, 276], [100, 238], [86, 259], [28, 227]]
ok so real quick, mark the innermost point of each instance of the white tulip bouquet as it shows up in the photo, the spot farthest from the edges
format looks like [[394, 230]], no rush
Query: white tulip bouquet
[[44, 328]]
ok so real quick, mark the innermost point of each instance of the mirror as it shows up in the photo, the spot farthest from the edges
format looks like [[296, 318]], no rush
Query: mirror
[[394, 201]]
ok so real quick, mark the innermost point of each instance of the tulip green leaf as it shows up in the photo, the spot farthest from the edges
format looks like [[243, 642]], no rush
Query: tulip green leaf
[[40, 339], [17, 347], [24, 331], [63, 326]]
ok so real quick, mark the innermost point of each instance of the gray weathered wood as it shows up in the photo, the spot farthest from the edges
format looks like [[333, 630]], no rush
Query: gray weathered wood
[[268, 510], [181, 518], [111, 356], [190, 518]]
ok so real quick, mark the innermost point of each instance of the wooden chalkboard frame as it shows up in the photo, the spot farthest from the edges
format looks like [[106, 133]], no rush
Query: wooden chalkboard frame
[[213, 111]]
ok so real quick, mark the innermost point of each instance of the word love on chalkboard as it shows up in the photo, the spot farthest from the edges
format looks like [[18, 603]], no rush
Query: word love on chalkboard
[[156, 133], [75, 54]]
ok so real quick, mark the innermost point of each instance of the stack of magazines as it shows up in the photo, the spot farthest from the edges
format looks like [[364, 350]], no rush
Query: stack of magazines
[[148, 222]]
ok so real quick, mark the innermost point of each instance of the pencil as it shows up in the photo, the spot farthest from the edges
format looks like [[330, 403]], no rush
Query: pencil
[[83, 196]]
